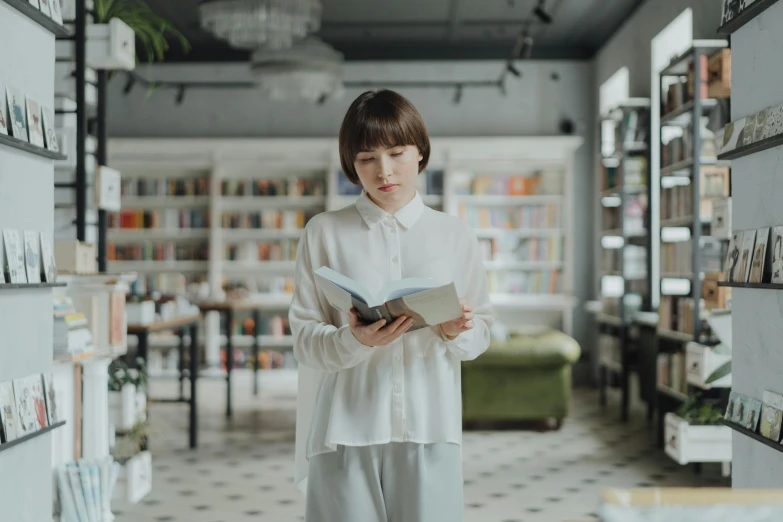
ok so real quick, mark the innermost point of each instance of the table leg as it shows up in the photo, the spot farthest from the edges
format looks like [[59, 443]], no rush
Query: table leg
[[256, 321], [181, 335], [193, 379], [602, 385], [143, 346], [229, 359]]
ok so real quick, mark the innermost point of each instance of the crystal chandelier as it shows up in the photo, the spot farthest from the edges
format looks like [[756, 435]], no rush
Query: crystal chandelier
[[252, 24], [310, 70]]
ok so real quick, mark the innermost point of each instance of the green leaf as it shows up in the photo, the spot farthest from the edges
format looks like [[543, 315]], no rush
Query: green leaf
[[721, 372]]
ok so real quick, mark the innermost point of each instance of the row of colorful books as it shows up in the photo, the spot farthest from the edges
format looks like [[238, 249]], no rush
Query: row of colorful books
[[676, 202], [292, 187], [155, 219], [276, 325], [529, 282], [671, 371], [677, 257], [676, 313], [505, 185], [267, 219], [175, 186], [157, 251], [528, 216], [263, 251]]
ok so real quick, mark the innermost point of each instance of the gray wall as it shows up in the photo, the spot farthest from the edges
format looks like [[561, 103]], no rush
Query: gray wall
[[534, 105], [756, 194], [630, 46]]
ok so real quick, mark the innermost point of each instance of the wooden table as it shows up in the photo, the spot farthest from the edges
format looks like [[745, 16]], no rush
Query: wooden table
[[226, 309], [190, 322]]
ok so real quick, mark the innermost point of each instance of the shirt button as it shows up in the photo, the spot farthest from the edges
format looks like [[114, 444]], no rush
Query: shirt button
[[397, 389], [395, 259], [397, 357]]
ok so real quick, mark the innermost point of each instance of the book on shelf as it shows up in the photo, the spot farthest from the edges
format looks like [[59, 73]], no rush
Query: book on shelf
[[268, 219], [262, 251], [422, 299], [542, 282], [277, 187], [545, 216], [170, 219], [158, 251], [141, 187], [675, 313], [635, 172]]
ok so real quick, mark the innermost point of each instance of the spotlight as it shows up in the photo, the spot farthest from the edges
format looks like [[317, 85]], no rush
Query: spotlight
[[129, 84], [458, 94], [541, 14], [513, 70], [180, 94]]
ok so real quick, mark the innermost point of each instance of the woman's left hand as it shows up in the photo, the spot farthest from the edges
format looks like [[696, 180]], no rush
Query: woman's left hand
[[451, 329]]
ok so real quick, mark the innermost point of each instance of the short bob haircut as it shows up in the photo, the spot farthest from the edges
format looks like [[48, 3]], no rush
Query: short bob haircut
[[381, 118]]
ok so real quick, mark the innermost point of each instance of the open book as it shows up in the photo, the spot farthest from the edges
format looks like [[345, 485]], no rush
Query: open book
[[420, 298]]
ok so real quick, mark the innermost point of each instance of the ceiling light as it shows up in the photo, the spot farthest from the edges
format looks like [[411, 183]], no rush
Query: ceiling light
[[251, 24], [541, 14]]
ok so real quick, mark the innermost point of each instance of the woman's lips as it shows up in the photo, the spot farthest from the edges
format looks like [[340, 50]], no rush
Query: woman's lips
[[387, 188]]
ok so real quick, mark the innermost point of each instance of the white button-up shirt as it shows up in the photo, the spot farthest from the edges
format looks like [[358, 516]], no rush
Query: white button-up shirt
[[410, 390]]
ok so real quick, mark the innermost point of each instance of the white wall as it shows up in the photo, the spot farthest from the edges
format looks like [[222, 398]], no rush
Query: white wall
[[534, 105], [757, 190], [26, 203]]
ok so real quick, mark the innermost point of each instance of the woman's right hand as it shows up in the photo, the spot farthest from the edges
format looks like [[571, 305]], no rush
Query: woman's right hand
[[378, 333]]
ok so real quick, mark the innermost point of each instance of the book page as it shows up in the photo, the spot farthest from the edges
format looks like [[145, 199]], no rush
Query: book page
[[337, 297], [345, 283], [402, 287], [428, 308]]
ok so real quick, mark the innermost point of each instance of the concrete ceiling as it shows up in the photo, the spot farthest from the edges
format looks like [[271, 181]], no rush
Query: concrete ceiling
[[430, 29]]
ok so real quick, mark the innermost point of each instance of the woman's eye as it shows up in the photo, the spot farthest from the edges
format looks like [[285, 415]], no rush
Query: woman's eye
[[397, 153], [365, 160]]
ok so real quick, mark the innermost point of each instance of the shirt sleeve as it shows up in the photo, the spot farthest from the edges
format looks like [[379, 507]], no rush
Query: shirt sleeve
[[472, 343], [318, 343]]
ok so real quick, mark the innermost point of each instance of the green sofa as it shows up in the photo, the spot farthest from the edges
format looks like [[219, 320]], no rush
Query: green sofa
[[526, 378]]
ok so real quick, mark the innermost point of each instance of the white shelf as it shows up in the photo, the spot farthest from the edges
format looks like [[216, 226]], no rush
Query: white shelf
[[542, 301], [158, 266], [258, 203], [522, 265], [491, 200], [164, 202], [258, 267], [152, 234], [260, 234]]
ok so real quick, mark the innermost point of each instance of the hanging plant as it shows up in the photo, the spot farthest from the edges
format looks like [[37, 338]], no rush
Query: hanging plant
[[151, 29]]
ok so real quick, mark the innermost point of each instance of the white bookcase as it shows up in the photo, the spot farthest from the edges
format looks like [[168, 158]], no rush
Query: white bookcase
[[459, 160], [27, 203]]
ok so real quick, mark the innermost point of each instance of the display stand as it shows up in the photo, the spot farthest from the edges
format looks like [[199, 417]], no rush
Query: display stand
[[26, 203], [756, 314]]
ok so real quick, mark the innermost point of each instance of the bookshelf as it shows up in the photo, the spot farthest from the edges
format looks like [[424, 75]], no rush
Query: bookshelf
[[623, 195], [27, 203], [691, 179], [257, 194]]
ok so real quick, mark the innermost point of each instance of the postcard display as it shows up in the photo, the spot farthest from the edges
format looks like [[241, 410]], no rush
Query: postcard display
[[26, 204], [757, 378]]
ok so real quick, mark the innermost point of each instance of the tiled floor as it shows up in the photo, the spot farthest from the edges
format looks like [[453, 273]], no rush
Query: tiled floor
[[242, 470]]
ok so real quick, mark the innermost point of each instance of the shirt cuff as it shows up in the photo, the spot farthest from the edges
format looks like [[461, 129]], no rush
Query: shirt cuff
[[460, 344]]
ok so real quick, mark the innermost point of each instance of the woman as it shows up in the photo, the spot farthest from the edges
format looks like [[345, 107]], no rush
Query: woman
[[379, 410]]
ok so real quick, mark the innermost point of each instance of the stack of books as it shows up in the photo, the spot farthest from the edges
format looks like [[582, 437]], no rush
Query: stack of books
[[71, 332]]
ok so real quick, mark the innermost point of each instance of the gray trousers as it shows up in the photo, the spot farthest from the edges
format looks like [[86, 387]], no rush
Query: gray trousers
[[396, 482]]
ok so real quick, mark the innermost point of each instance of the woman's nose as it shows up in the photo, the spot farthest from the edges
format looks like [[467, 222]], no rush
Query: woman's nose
[[386, 165]]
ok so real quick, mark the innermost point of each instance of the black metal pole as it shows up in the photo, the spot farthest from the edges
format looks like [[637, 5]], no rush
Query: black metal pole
[[695, 186], [103, 137], [81, 120]]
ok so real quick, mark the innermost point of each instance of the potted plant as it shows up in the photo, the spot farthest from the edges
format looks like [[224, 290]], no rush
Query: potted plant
[[693, 433], [127, 394]]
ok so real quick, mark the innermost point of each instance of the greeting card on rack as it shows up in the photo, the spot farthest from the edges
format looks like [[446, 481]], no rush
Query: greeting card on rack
[[14, 255], [52, 412], [50, 132], [34, 122], [25, 405], [47, 258], [743, 268], [8, 412], [733, 256], [32, 256], [758, 266], [57, 13], [777, 255], [16, 113], [45, 8], [3, 113]]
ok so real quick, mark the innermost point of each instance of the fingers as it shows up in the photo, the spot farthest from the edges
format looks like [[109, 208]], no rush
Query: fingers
[[397, 328], [377, 325], [467, 316]]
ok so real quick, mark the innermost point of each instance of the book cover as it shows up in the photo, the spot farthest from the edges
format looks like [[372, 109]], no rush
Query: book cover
[[16, 113], [78, 492], [36, 386], [25, 406], [68, 512], [87, 489], [733, 256], [50, 132], [34, 125], [752, 414], [422, 299], [52, 413], [771, 415], [57, 13], [4, 119], [758, 266], [743, 267], [47, 258], [776, 253], [9, 415], [32, 256], [14, 254]]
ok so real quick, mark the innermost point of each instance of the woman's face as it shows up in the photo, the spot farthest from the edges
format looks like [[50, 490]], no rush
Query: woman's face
[[388, 175]]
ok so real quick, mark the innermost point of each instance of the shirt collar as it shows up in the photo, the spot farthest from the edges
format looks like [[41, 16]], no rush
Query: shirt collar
[[373, 214]]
